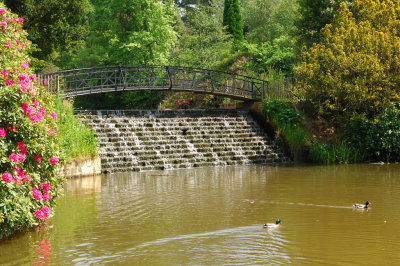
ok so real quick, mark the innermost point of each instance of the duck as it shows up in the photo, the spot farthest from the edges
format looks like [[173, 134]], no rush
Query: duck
[[271, 225], [361, 206]]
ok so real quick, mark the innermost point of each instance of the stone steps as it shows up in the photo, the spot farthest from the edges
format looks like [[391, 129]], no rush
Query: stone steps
[[141, 141]]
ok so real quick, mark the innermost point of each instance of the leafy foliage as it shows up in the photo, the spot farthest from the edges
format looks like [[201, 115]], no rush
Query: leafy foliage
[[53, 25], [278, 55], [29, 148], [354, 71], [314, 15], [267, 20], [203, 41], [126, 32]]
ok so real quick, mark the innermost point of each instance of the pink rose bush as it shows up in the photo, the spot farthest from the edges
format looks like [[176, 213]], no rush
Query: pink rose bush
[[29, 149]]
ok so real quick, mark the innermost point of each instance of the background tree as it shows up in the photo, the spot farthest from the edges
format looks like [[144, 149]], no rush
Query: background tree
[[53, 25], [232, 19], [267, 20], [125, 32], [354, 72], [203, 41], [314, 15]]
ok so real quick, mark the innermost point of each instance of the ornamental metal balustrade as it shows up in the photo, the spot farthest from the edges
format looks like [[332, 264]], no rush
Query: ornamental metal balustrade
[[94, 80]]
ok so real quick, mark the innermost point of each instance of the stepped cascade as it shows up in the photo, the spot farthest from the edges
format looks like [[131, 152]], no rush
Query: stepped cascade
[[162, 139]]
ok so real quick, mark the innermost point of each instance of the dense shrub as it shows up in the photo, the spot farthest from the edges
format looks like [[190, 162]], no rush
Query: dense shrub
[[29, 148], [379, 138], [354, 71]]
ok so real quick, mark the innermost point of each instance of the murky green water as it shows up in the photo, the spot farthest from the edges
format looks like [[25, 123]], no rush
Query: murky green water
[[215, 216]]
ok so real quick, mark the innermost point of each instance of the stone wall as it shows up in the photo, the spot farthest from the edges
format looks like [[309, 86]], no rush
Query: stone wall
[[81, 167]]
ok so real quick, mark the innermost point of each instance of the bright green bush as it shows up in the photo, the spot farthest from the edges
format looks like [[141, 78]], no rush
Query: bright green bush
[[76, 139], [29, 149]]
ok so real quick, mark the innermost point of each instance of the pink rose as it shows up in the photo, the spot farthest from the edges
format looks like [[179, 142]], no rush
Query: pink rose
[[23, 76], [18, 180], [37, 158], [40, 215], [9, 82], [24, 107], [27, 178], [45, 186], [4, 73], [53, 160], [7, 177], [35, 103], [13, 157], [21, 146], [32, 77], [2, 132], [36, 193], [2, 11], [21, 157], [52, 132], [21, 20], [53, 115], [45, 210], [24, 65], [45, 197]]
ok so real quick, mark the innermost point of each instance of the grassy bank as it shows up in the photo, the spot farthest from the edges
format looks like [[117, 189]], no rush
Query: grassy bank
[[77, 141], [291, 133]]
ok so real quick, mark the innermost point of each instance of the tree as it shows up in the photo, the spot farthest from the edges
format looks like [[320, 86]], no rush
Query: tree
[[53, 24], [29, 150], [354, 72], [314, 15], [266, 20], [232, 19], [129, 32], [203, 41], [125, 32]]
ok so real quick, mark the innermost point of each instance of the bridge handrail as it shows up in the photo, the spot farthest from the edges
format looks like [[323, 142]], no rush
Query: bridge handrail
[[153, 66], [75, 82]]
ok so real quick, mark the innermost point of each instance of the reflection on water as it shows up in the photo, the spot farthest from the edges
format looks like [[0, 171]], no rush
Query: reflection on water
[[83, 185], [215, 216]]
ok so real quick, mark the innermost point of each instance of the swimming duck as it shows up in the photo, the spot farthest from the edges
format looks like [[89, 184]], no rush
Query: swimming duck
[[271, 225], [361, 206]]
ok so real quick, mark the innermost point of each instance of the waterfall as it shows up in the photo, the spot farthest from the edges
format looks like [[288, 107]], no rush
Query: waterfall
[[136, 140]]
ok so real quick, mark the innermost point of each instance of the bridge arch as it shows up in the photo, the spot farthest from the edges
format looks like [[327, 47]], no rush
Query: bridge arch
[[94, 80]]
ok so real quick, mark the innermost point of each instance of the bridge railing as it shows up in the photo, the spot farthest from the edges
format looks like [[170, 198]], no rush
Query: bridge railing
[[142, 77]]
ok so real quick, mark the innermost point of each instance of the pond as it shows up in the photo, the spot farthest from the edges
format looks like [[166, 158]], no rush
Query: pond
[[215, 216]]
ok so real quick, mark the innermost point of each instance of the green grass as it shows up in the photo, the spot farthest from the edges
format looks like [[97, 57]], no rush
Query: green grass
[[77, 141], [341, 152]]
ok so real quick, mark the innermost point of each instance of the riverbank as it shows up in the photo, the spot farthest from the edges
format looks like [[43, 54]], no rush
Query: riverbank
[[81, 167]]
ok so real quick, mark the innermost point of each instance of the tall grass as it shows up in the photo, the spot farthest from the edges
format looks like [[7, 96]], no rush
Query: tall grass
[[77, 141], [341, 152]]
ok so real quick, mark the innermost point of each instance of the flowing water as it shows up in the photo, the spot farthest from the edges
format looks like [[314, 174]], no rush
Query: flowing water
[[215, 216]]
